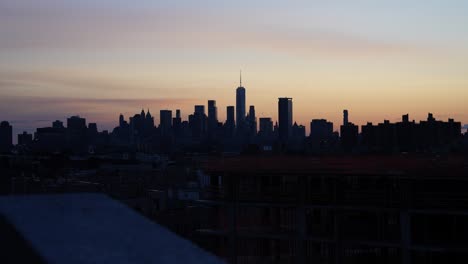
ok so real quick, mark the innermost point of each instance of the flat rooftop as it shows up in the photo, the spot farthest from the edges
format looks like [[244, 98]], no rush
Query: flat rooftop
[[89, 228], [456, 166]]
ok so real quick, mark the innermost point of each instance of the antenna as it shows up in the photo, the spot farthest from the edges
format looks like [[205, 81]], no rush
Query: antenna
[[240, 78]]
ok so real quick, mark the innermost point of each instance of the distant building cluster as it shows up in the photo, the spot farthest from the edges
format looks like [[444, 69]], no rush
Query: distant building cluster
[[240, 132]]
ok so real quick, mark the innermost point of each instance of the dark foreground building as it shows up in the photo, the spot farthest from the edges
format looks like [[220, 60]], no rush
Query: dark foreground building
[[336, 210], [86, 228]]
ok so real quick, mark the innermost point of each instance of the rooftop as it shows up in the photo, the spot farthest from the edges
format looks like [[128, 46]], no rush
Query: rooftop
[[92, 228]]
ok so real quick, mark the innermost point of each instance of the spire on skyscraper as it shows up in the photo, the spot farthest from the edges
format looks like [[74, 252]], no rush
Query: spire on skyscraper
[[240, 78]]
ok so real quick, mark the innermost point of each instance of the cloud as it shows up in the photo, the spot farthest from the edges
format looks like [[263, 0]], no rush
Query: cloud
[[174, 28], [89, 84]]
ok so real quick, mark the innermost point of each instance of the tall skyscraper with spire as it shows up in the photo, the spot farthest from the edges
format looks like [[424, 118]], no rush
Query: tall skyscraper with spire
[[240, 104]]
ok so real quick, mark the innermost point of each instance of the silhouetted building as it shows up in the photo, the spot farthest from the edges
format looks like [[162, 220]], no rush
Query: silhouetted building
[[25, 139], [266, 127], [285, 117], [198, 122], [177, 124], [59, 124], [230, 126], [212, 117], [407, 136], [200, 109], [369, 137], [320, 130], [296, 142], [51, 139], [92, 128], [345, 117], [121, 120], [348, 133], [165, 119], [322, 138], [92, 135], [6, 136], [76, 134], [141, 127], [381, 209], [240, 106], [252, 121], [75, 123], [298, 132], [149, 121]]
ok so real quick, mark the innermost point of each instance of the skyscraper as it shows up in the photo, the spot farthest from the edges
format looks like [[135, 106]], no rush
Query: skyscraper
[[285, 117], [212, 116], [266, 127], [165, 122], [149, 121], [200, 109], [252, 121], [320, 130], [199, 122], [57, 124], [76, 133], [348, 133], [25, 139], [76, 123], [240, 104], [121, 120], [230, 121], [6, 136], [345, 117], [176, 123]]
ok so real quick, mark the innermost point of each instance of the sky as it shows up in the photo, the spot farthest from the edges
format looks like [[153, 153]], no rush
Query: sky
[[97, 59]]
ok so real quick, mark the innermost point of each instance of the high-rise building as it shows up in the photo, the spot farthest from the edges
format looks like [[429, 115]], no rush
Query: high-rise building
[[76, 123], [25, 139], [345, 117], [240, 105], [76, 133], [230, 121], [252, 121], [212, 116], [198, 122], [121, 120], [165, 122], [200, 109], [266, 127], [349, 133], [177, 123], [92, 128], [6, 136], [285, 118], [149, 121], [298, 132], [321, 130], [57, 124]]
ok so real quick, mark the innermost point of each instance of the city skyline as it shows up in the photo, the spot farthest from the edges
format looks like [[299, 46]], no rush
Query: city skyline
[[379, 60], [30, 126]]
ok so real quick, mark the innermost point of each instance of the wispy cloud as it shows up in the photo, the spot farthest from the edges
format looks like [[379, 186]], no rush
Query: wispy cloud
[[82, 84], [172, 28]]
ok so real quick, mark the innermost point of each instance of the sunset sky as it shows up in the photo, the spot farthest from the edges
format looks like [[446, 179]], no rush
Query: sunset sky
[[97, 59]]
